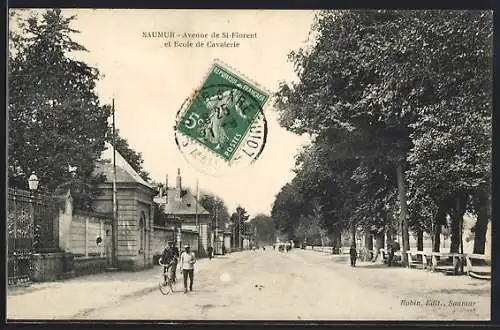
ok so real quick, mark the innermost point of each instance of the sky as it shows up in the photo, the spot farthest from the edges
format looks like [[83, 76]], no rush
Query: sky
[[149, 82]]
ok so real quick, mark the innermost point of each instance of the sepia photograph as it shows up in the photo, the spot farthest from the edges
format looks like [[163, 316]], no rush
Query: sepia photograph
[[267, 165]]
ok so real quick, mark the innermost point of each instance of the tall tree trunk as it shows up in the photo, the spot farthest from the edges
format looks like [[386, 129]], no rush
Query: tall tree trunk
[[437, 226], [352, 232], [437, 238], [403, 210], [368, 246], [379, 243], [455, 233], [456, 225], [337, 241], [482, 223], [420, 242], [390, 235]]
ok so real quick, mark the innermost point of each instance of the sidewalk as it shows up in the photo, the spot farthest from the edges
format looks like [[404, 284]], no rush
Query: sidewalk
[[73, 298]]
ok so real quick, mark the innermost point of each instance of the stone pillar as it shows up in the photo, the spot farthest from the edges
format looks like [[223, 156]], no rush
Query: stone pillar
[[101, 234], [65, 218]]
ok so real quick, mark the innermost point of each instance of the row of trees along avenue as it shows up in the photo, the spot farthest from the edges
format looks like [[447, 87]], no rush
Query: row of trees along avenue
[[398, 107], [56, 119]]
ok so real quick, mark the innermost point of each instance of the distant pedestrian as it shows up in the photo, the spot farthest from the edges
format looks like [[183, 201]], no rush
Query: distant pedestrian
[[210, 252], [390, 257], [187, 262], [353, 253]]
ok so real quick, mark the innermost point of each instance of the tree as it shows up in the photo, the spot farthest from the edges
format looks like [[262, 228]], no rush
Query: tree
[[215, 205], [264, 229], [286, 210], [131, 156], [239, 218], [451, 158], [372, 77], [347, 85], [55, 117]]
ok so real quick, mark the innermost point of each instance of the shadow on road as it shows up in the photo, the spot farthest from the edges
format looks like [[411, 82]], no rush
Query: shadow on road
[[20, 290], [376, 266], [467, 292]]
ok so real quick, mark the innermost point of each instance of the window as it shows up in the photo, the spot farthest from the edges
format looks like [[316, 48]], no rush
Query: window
[[142, 232]]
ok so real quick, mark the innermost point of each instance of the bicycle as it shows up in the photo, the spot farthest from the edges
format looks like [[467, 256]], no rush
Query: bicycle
[[167, 283]]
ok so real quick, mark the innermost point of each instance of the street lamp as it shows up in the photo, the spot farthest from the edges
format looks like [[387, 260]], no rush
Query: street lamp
[[33, 182], [33, 185]]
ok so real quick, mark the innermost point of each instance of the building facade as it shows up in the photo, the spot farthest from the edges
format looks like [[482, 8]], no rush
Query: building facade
[[180, 210], [135, 212]]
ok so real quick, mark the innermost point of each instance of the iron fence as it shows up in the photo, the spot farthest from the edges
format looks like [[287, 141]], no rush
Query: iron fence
[[32, 225]]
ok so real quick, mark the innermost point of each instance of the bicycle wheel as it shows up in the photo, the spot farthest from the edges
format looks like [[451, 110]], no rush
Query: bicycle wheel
[[166, 287]]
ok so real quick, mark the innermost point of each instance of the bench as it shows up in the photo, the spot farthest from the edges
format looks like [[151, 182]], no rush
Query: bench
[[345, 250], [323, 249], [478, 266], [384, 255], [397, 259], [415, 261], [367, 255], [427, 256], [446, 262]]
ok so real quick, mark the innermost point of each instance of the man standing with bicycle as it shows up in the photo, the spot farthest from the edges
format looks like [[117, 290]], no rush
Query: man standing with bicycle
[[170, 257], [187, 262]]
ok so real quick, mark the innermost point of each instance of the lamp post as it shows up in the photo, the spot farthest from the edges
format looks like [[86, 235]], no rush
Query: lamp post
[[33, 182], [33, 186]]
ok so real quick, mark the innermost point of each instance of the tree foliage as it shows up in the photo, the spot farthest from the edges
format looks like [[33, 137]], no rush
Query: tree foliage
[[264, 229], [133, 157], [215, 205], [388, 96], [55, 117]]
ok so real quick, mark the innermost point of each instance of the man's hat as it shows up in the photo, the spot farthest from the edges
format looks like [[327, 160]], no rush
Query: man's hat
[[186, 246]]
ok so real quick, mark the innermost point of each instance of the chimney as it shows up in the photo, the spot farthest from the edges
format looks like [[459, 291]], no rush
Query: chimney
[[166, 181], [178, 185]]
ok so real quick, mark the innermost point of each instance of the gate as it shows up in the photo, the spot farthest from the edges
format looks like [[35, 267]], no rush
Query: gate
[[32, 226], [218, 247]]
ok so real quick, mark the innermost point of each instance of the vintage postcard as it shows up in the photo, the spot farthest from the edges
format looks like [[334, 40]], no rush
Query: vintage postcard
[[249, 164]]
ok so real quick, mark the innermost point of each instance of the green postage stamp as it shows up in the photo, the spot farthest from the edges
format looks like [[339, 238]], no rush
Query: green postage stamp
[[221, 114]]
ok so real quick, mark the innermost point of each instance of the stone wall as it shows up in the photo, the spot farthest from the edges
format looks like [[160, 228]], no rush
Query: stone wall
[[135, 219], [85, 229], [89, 265], [47, 267], [159, 238]]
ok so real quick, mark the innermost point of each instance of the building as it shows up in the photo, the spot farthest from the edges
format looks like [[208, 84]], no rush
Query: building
[[134, 210], [180, 212]]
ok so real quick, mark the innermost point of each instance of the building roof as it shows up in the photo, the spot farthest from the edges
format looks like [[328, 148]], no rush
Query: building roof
[[185, 206], [124, 171]]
